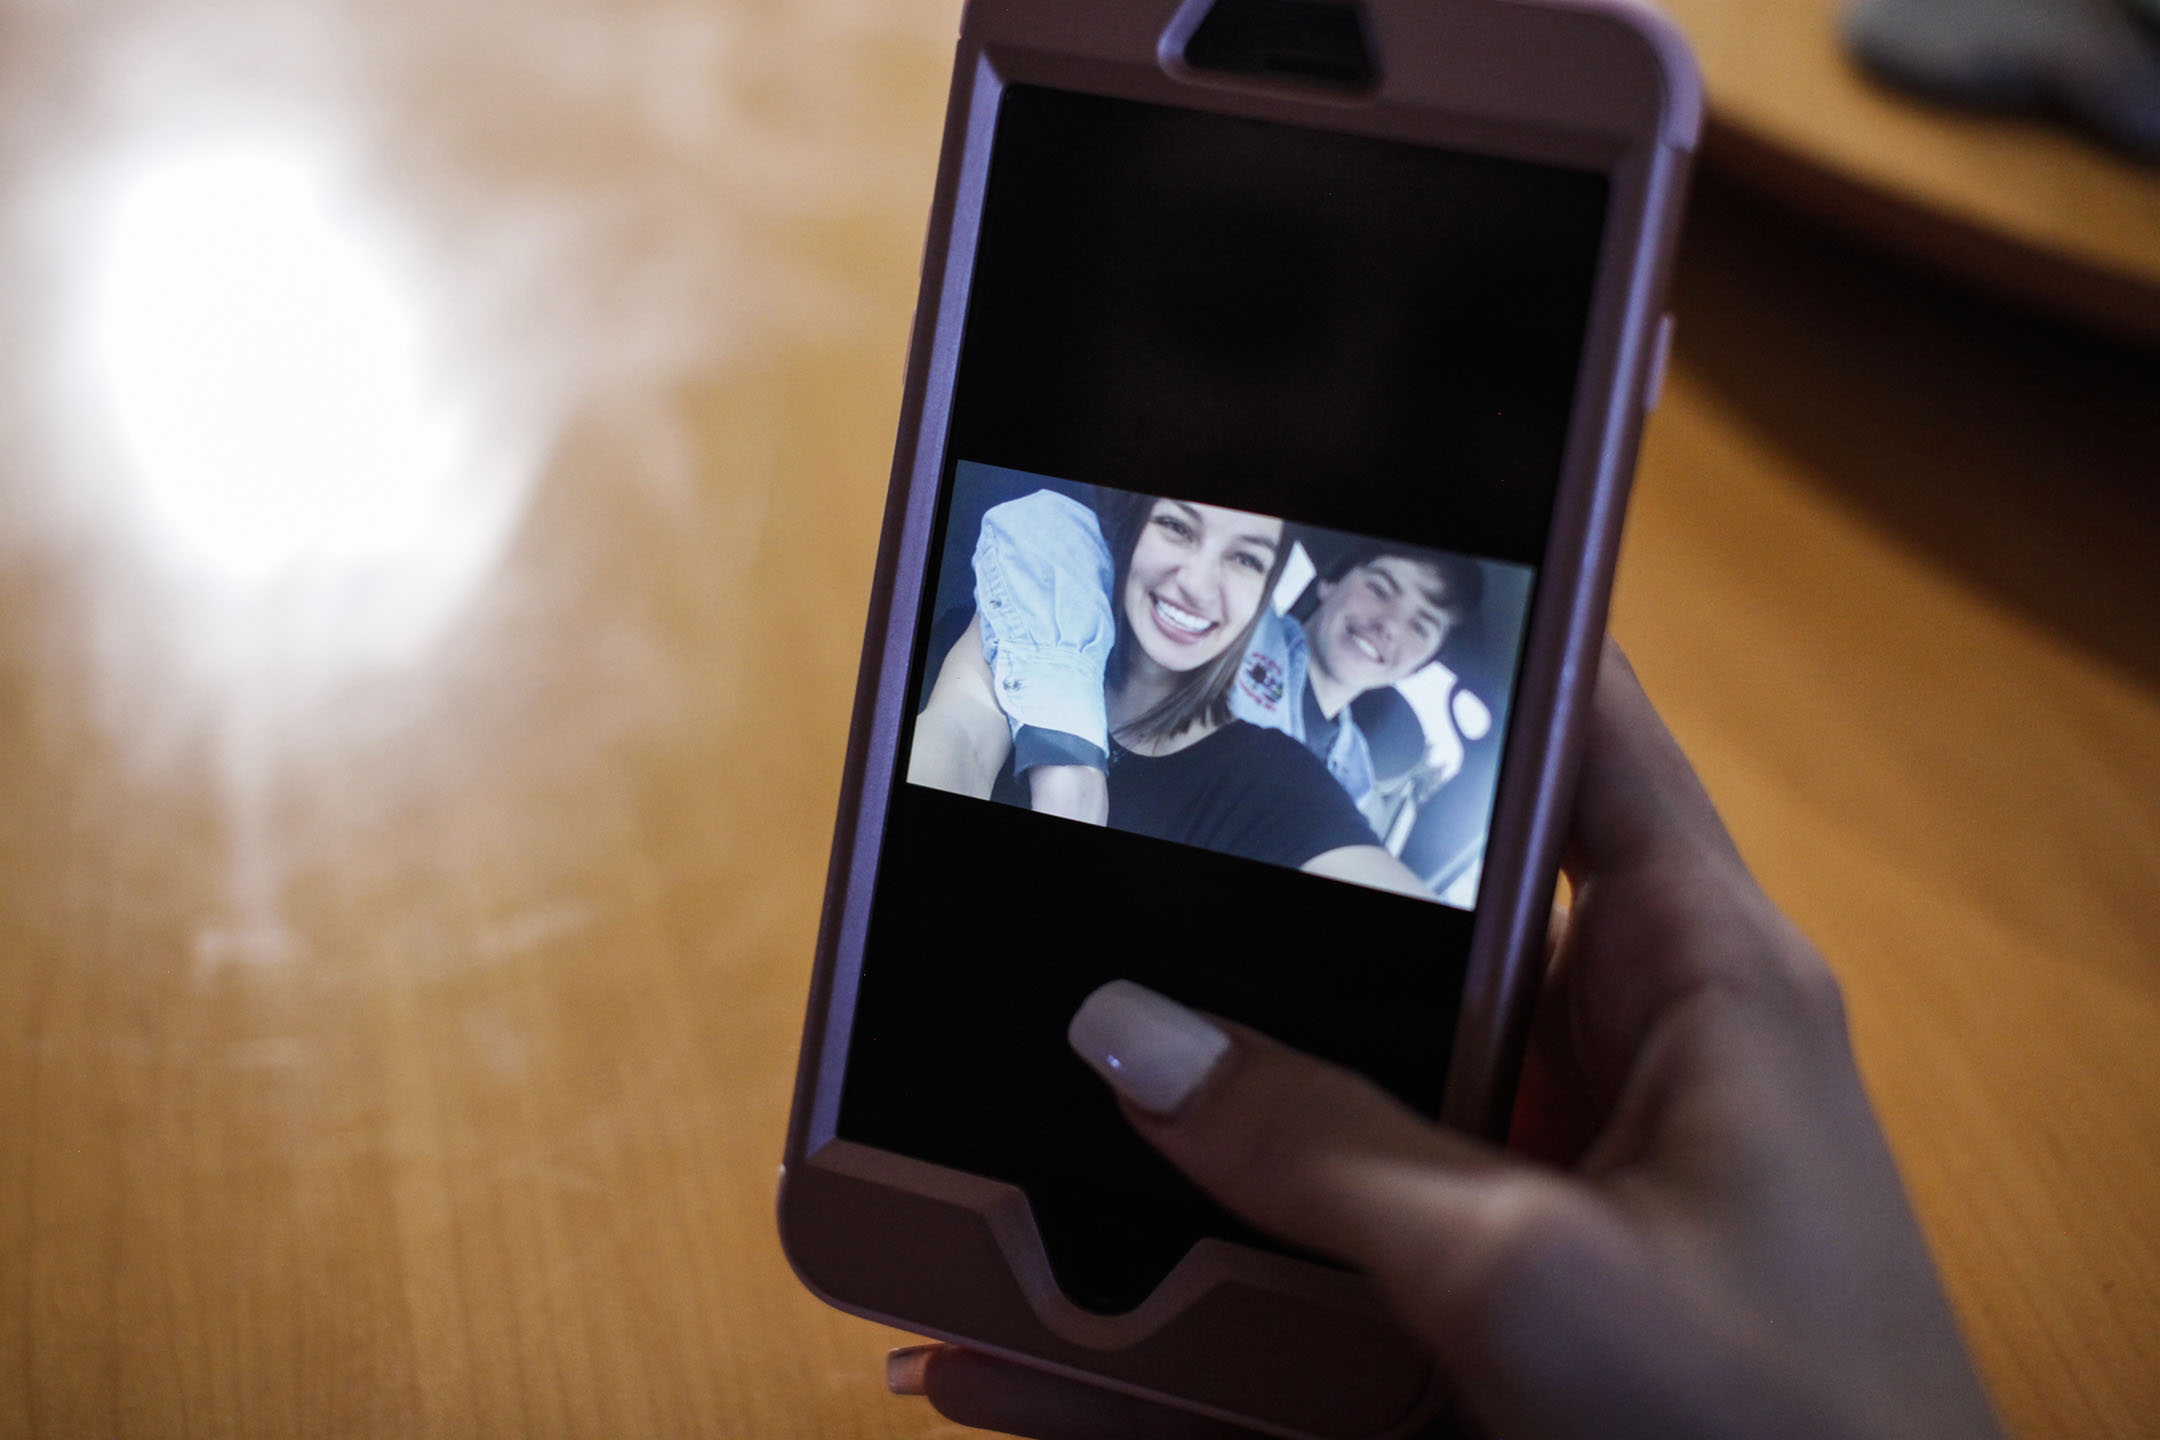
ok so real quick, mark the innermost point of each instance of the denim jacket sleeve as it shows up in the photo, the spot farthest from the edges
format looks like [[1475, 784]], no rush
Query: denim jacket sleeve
[[1042, 588]]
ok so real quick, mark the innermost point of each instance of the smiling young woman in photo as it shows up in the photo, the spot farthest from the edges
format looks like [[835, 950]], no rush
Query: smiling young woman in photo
[[1190, 582], [1188, 597]]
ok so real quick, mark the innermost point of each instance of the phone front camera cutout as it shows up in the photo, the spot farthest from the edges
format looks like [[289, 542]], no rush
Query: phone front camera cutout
[[1296, 42]]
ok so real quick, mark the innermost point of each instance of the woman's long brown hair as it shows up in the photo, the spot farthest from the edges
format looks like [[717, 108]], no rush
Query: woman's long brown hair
[[1204, 693]]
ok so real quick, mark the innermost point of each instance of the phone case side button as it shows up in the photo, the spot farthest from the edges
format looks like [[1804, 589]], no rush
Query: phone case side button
[[1660, 357]]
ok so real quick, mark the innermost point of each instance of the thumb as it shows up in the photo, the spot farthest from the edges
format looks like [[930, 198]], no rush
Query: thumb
[[1320, 1156]]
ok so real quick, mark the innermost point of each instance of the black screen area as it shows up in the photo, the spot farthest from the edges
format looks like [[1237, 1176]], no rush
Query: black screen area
[[1374, 337], [1364, 335]]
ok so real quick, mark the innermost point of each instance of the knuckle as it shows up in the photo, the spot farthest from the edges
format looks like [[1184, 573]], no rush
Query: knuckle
[[1820, 998], [1748, 949], [1801, 983], [1530, 1236], [1532, 1244]]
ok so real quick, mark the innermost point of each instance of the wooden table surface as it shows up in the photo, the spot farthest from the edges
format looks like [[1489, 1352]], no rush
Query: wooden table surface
[[441, 450]]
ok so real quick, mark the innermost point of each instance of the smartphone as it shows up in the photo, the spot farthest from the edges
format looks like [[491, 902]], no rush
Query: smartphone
[[1271, 407]]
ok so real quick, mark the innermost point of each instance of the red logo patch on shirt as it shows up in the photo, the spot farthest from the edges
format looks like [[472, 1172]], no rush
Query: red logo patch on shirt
[[1261, 678]]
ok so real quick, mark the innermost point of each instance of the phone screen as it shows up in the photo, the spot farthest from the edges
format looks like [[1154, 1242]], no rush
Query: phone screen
[[1254, 440]]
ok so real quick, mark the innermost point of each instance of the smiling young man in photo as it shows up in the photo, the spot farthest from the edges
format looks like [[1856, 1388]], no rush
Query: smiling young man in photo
[[1383, 615]]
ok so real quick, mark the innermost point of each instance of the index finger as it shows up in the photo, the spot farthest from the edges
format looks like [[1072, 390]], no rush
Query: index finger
[[1665, 908]]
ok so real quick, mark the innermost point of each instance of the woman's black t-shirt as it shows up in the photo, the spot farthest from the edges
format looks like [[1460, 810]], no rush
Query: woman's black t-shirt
[[1244, 790]]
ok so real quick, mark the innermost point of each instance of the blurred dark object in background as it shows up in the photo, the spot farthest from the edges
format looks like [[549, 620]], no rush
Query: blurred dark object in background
[[2092, 61]]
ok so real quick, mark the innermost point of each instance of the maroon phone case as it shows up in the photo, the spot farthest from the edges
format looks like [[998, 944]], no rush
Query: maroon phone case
[[1282, 1345]]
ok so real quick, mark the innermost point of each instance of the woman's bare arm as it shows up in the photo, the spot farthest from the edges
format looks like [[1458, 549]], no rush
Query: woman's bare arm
[[1368, 865], [962, 739]]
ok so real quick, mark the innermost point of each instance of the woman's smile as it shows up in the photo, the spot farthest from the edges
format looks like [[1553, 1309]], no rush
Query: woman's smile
[[1182, 625]]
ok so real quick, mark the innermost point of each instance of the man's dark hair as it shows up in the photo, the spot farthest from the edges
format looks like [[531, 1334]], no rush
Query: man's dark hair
[[1462, 583]]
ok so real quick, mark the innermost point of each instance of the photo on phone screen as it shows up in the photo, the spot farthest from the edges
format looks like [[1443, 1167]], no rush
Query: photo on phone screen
[[1284, 693]]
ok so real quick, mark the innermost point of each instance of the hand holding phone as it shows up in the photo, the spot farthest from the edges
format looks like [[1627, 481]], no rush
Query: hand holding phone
[[1711, 1240], [1273, 398]]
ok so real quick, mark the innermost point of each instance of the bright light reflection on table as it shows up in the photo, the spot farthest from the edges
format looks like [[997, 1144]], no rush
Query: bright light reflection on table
[[270, 375]]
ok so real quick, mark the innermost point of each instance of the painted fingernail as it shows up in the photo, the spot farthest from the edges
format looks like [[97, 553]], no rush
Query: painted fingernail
[[907, 1369], [1152, 1050]]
